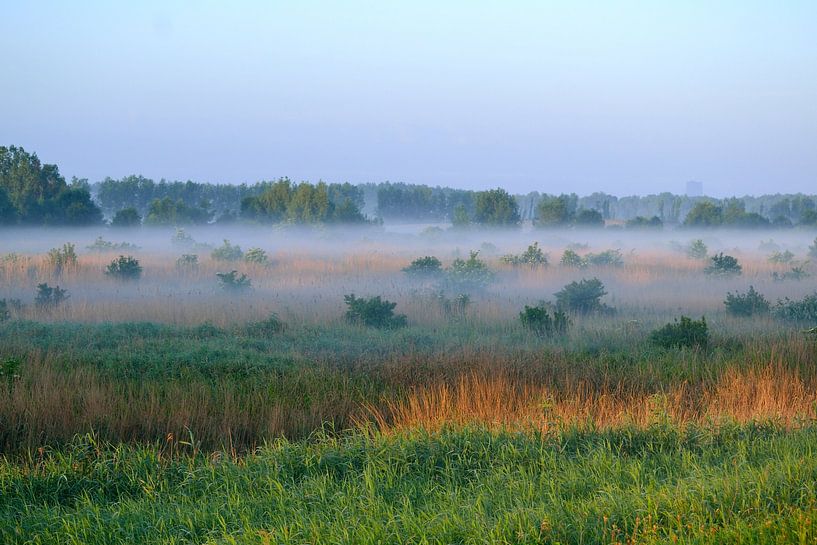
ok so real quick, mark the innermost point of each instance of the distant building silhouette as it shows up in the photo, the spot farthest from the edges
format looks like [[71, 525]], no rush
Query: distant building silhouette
[[695, 189]]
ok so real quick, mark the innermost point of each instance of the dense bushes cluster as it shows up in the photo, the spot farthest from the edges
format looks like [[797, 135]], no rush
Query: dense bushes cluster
[[685, 332], [373, 312]]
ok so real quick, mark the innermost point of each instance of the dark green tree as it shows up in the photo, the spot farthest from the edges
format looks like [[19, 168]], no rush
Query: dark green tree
[[496, 208]]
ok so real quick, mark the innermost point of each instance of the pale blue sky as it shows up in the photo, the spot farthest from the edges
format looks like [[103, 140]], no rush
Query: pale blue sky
[[623, 97]]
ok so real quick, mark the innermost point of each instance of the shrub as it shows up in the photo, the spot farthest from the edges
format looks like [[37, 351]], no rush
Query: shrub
[[538, 320], [456, 307], [684, 333], [62, 258], [746, 304], [10, 372], [424, 267], [533, 257], [697, 250], [641, 222], [804, 310], [102, 245], [4, 311], [187, 262], [232, 282], [270, 326], [582, 297], [256, 255], [723, 265], [781, 257], [373, 312], [467, 274], [50, 297], [124, 268], [795, 273], [227, 252], [571, 259], [182, 238], [607, 258], [812, 250]]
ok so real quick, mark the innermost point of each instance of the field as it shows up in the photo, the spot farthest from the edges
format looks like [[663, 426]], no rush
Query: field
[[167, 409]]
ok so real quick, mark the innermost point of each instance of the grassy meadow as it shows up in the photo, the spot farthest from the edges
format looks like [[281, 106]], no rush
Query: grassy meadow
[[167, 409]]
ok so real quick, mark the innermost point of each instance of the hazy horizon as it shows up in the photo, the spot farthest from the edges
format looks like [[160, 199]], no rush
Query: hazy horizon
[[582, 97]]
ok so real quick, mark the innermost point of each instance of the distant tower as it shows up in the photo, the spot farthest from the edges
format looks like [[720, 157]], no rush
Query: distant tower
[[695, 189]]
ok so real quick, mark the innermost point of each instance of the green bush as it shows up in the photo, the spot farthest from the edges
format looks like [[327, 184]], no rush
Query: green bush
[[607, 258], [62, 258], [804, 310], [373, 312], [723, 265], [124, 268], [264, 328], [795, 273], [781, 257], [50, 297], [746, 304], [684, 333], [468, 274], [127, 217], [256, 255], [427, 266], [571, 259], [102, 245], [582, 297], [187, 262], [227, 252], [533, 257], [10, 372], [539, 320], [697, 250], [232, 282]]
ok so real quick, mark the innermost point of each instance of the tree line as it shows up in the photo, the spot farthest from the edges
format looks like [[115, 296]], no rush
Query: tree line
[[34, 193]]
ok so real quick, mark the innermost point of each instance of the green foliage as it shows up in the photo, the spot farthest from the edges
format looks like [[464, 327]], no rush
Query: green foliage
[[10, 372], [642, 222], [781, 257], [607, 258], [166, 211], [468, 274], [50, 297], [697, 250], [227, 252], [424, 267], [731, 213], [189, 262], [127, 217], [373, 312], [304, 203], [232, 282], [571, 259], [804, 310], [460, 218], [684, 333], [495, 208], [33, 193], [588, 217], [723, 265], [265, 328], [533, 257], [582, 297], [704, 214], [256, 255], [124, 268], [746, 304], [102, 245], [554, 211], [539, 320], [62, 258], [797, 272]]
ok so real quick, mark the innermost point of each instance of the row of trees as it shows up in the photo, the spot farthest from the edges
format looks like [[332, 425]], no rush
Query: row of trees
[[33, 193]]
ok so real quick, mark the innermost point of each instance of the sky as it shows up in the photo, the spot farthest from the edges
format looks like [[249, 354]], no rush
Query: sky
[[575, 96]]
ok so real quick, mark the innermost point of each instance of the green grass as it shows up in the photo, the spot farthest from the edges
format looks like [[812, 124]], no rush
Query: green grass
[[748, 484]]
